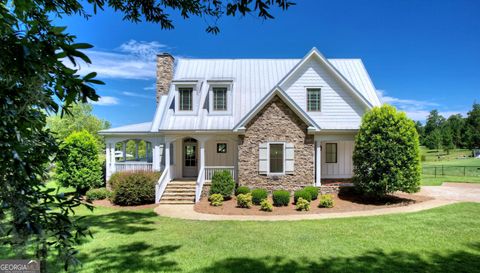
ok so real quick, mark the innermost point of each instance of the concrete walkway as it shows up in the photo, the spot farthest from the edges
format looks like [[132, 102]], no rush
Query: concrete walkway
[[446, 194]]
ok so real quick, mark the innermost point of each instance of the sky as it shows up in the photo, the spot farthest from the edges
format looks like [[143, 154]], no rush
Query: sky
[[421, 55]]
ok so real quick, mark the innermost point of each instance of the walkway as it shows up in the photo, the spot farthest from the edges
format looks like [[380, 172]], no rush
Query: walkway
[[448, 193]]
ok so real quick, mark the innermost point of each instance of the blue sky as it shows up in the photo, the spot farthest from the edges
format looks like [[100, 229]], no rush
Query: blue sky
[[420, 55]]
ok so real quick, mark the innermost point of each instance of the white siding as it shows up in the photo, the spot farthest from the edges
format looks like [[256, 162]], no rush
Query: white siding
[[344, 166], [339, 109], [218, 159]]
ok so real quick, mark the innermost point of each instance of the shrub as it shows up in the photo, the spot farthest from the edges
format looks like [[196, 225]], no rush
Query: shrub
[[258, 195], [281, 198], [386, 157], [326, 201], [302, 204], [78, 165], [222, 183], [242, 190], [216, 199], [302, 194], [265, 205], [244, 200], [134, 188], [313, 191], [98, 194]]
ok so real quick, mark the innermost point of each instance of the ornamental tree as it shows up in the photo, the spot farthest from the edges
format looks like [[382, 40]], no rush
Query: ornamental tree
[[386, 157]]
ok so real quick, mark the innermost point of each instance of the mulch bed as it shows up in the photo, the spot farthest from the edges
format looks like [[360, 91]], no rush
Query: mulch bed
[[108, 204], [342, 203]]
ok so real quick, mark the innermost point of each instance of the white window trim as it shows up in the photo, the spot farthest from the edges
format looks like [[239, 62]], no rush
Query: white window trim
[[195, 99], [306, 99], [268, 158], [229, 98]]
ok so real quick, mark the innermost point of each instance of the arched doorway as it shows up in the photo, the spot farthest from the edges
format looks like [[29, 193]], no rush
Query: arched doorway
[[190, 156]]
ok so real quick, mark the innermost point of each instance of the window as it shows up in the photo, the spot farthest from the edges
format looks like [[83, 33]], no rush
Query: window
[[221, 148], [185, 99], [219, 99], [276, 158], [331, 155], [313, 99]]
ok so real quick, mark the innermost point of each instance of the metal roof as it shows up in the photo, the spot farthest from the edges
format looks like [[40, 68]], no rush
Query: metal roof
[[132, 128]]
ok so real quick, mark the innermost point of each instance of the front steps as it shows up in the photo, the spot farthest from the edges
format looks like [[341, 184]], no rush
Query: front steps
[[179, 192]]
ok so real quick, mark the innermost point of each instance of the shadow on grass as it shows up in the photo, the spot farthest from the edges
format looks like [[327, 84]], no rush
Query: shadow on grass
[[134, 257], [122, 222], [372, 261], [349, 194]]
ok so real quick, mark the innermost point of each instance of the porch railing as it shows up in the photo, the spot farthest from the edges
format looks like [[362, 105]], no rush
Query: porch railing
[[199, 186], [132, 166], [162, 184], [210, 170]]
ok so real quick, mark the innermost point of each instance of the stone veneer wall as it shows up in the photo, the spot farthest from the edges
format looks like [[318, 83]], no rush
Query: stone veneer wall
[[276, 122], [164, 74]]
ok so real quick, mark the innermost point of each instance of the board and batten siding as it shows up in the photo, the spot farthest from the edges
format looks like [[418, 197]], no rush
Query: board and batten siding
[[344, 166], [339, 108]]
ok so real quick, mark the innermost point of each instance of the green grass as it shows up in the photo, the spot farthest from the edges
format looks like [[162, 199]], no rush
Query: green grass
[[438, 240]]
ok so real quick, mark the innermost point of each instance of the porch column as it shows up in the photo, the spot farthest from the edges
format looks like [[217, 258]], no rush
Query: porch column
[[318, 163], [136, 150], [166, 149], [202, 153], [124, 147], [108, 170], [156, 160]]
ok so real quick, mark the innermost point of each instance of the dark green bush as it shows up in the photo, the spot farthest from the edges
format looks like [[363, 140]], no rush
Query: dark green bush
[[98, 194], [303, 194], [78, 165], [244, 200], [242, 190], [281, 198], [386, 157], [313, 191], [134, 188], [326, 201], [258, 195], [222, 183]]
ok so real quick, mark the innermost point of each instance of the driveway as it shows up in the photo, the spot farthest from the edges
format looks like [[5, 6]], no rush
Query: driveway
[[469, 192]]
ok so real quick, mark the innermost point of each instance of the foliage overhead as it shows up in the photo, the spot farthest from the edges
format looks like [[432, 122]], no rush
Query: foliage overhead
[[386, 157]]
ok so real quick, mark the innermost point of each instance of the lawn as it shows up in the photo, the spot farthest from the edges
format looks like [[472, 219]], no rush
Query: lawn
[[438, 240]]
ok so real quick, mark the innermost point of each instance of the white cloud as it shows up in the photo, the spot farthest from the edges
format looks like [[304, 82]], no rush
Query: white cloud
[[132, 94], [150, 87], [106, 101], [144, 50]]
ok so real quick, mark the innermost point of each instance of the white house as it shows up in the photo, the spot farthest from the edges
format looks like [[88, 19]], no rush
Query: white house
[[273, 123]]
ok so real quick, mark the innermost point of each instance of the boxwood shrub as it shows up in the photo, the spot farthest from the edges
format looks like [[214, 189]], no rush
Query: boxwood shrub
[[222, 183], [242, 190], [313, 191], [134, 188], [258, 195], [303, 194], [281, 198]]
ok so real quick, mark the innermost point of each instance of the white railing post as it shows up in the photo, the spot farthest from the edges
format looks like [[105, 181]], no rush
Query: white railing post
[[318, 163]]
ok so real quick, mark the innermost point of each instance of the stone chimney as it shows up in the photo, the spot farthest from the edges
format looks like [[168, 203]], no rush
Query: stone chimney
[[164, 74]]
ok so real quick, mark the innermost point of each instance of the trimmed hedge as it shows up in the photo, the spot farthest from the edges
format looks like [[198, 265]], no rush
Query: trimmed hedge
[[222, 183], [134, 188], [258, 195], [98, 194], [302, 194], [281, 198], [242, 190], [313, 191]]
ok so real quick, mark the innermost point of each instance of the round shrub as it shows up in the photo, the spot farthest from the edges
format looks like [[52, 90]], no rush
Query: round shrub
[[134, 188], [216, 200], [258, 195], [281, 198], [222, 183], [265, 205], [242, 190], [386, 157], [244, 200], [326, 201], [78, 165], [313, 191], [302, 194], [302, 204], [98, 194]]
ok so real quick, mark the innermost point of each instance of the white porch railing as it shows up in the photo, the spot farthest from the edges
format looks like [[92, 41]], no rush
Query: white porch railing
[[210, 170], [199, 186], [162, 184], [133, 166]]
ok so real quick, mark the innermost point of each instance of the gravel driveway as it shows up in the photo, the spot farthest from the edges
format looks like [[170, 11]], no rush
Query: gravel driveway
[[453, 191]]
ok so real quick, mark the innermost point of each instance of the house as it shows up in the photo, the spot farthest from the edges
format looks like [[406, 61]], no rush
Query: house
[[272, 123]]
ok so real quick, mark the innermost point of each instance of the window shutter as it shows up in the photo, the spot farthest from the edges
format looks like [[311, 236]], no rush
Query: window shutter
[[262, 158], [289, 158]]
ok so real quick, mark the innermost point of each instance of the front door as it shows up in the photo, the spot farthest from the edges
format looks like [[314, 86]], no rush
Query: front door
[[190, 158]]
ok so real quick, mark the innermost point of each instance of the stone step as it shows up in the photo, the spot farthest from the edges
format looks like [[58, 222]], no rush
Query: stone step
[[179, 194], [178, 197], [179, 189], [176, 202]]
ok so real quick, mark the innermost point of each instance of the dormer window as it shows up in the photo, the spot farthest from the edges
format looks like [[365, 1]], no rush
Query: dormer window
[[185, 96], [219, 99], [313, 100]]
